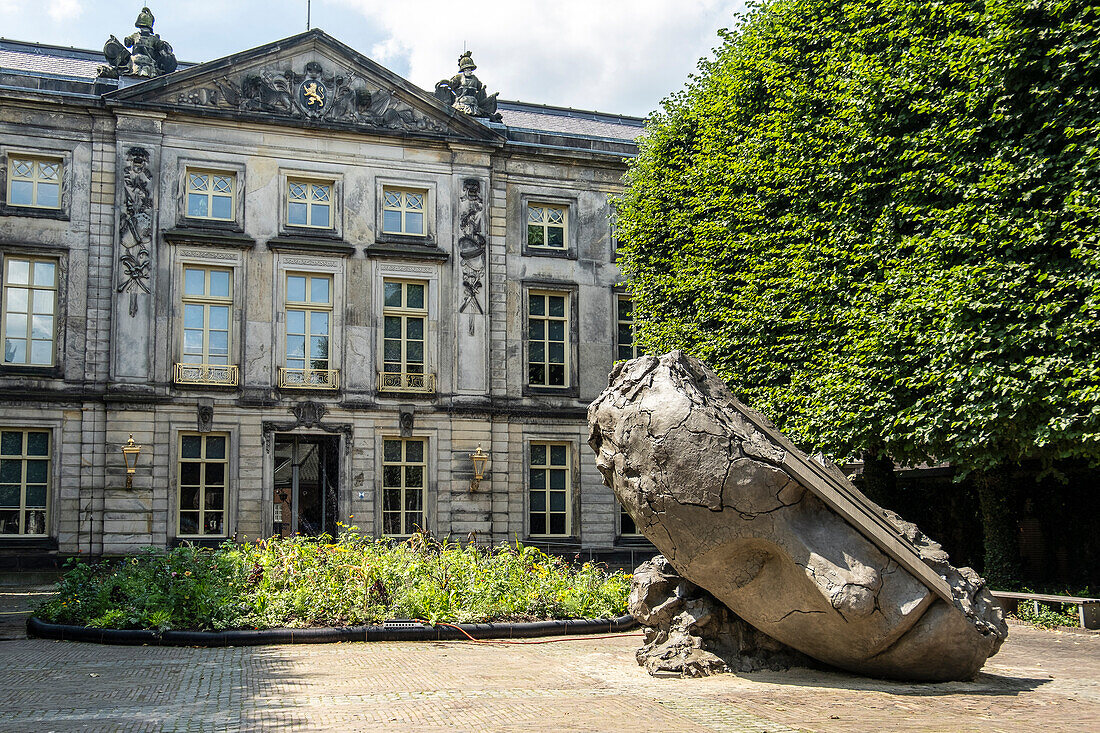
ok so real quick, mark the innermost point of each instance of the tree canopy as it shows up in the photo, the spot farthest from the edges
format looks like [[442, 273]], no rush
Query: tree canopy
[[879, 220]]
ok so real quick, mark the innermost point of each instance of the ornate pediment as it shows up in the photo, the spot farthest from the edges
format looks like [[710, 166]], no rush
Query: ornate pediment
[[302, 80]]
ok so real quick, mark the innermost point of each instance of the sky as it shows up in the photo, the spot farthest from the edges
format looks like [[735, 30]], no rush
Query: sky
[[620, 56]]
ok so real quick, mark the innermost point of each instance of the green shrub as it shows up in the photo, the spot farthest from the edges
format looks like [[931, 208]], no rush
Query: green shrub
[[320, 582], [1050, 616]]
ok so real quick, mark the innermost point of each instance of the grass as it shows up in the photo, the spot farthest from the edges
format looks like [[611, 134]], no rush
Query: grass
[[301, 582]]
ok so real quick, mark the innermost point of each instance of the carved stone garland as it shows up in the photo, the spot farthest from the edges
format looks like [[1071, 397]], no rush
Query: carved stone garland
[[314, 95], [471, 244], [136, 225]]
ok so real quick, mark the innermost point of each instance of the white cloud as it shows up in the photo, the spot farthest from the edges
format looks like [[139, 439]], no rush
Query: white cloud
[[61, 10], [611, 55]]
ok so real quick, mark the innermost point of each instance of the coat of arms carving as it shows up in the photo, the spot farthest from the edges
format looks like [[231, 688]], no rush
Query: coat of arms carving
[[339, 96]]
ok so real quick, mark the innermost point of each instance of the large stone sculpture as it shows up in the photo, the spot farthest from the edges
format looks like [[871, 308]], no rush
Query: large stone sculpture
[[785, 541], [148, 55]]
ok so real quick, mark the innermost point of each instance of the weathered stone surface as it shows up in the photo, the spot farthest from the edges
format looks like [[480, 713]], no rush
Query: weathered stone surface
[[689, 633], [788, 544]]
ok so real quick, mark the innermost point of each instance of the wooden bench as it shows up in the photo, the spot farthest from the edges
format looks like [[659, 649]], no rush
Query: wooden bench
[[1088, 609]]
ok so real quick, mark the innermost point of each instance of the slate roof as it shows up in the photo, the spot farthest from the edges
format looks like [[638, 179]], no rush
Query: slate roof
[[574, 122], [525, 122], [37, 58]]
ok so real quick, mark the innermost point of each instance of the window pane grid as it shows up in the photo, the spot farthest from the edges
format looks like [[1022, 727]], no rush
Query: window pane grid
[[405, 316], [203, 472], [34, 182], [308, 321], [547, 339], [309, 204], [24, 482], [549, 487], [403, 211], [210, 195], [546, 226], [404, 471], [28, 306], [625, 347], [207, 305]]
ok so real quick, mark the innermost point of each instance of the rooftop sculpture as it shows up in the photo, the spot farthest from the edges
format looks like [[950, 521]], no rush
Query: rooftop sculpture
[[148, 56], [785, 541], [466, 93]]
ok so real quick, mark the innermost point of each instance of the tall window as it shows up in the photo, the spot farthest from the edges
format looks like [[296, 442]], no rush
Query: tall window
[[34, 182], [308, 330], [210, 195], [402, 211], [309, 204], [207, 301], [30, 304], [405, 316], [548, 489], [404, 465], [547, 339], [625, 348], [204, 464], [546, 226], [24, 481]]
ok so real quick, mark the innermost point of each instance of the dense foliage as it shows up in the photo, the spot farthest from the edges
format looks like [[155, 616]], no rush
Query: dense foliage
[[880, 221], [318, 582]]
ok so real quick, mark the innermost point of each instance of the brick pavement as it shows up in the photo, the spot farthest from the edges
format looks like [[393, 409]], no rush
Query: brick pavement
[[1041, 681]]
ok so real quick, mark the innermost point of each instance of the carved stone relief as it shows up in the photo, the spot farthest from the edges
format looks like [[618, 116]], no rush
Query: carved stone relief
[[307, 414], [314, 95], [471, 244], [205, 415], [135, 225]]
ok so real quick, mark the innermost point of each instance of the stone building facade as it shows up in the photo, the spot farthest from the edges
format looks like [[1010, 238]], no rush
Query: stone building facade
[[309, 290]]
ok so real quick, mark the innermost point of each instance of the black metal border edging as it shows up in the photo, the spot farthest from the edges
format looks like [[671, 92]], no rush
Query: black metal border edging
[[379, 632]]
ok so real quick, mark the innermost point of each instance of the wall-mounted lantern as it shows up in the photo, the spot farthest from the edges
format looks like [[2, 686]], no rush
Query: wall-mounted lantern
[[130, 454], [480, 458]]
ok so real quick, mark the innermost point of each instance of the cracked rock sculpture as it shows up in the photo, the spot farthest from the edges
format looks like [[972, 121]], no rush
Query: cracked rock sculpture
[[783, 540], [691, 634]]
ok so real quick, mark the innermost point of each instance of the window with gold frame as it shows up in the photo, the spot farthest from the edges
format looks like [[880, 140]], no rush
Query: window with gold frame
[[403, 211], [404, 334], [25, 457], [549, 490], [309, 203], [404, 479], [308, 335], [34, 182], [211, 194], [207, 311], [203, 484], [546, 226], [625, 346], [548, 338], [29, 308]]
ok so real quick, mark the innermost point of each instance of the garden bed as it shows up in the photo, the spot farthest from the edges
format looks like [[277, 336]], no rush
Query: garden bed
[[296, 588]]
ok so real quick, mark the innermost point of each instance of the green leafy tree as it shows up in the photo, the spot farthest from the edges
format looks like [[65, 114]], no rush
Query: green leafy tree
[[879, 221]]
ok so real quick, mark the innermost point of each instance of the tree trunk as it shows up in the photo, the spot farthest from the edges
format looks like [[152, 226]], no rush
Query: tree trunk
[[999, 533], [880, 484]]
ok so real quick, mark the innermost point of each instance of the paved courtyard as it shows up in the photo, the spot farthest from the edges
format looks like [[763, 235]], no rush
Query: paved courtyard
[[1041, 681]]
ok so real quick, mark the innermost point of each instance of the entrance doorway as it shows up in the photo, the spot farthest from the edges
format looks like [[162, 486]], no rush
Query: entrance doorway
[[306, 474]]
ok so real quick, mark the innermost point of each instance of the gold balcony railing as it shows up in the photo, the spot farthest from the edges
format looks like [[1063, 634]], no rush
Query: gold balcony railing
[[405, 382], [309, 378], [223, 375]]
